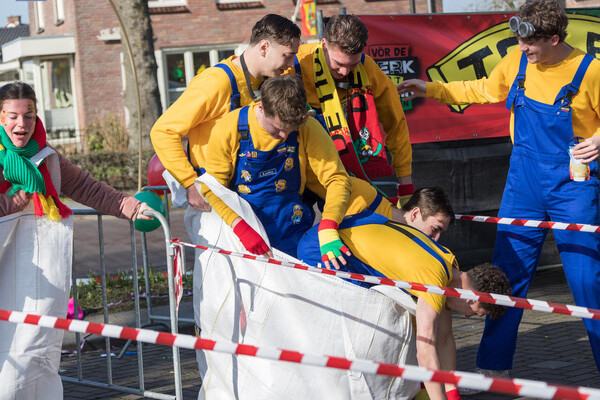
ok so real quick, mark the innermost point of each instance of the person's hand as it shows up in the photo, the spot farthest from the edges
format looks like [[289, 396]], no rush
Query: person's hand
[[413, 87], [140, 213], [195, 199], [20, 200], [588, 150], [250, 238], [332, 248]]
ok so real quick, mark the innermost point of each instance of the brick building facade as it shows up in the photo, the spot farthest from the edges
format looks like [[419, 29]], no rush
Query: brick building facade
[[74, 59]]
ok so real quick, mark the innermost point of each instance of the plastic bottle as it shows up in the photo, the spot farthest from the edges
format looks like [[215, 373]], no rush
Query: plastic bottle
[[579, 171]]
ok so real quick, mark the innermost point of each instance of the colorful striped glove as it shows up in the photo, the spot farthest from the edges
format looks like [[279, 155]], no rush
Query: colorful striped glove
[[330, 243], [250, 238], [405, 192]]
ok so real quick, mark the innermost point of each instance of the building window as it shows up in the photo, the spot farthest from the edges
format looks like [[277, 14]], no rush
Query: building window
[[233, 4], [59, 12], [183, 64], [166, 3], [38, 11], [58, 99]]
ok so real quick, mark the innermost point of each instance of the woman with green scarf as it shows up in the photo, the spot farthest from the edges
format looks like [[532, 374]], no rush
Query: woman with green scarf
[[37, 230]]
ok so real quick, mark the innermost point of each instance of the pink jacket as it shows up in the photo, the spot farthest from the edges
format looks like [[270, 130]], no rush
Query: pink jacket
[[82, 187]]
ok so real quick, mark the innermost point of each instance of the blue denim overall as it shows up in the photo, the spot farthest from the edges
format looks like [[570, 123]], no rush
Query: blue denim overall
[[539, 187], [270, 182]]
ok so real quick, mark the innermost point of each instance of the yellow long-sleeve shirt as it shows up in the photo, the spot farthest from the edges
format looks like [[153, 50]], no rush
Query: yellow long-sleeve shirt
[[362, 196], [387, 102], [316, 155], [542, 83], [398, 256], [195, 112]]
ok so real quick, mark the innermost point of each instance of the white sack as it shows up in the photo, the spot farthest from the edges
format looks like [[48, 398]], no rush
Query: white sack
[[35, 265], [267, 305], [35, 278]]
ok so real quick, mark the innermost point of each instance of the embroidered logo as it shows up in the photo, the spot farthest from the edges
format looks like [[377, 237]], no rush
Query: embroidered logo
[[289, 164], [243, 189], [297, 215], [246, 176], [282, 149], [268, 172], [280, 185], [291, 149]]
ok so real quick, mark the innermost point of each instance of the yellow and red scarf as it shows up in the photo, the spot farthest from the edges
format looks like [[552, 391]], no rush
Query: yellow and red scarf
[[361, 128]]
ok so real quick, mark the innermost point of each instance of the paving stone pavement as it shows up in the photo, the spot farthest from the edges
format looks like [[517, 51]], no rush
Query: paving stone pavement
[[551, 347]]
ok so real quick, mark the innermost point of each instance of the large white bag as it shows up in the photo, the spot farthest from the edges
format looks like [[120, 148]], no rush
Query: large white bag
[[35, 278], [261, 304]]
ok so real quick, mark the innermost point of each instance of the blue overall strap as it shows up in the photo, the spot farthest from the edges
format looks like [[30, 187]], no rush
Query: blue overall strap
[[235, 93], [573, 87], [521, 74], [425, 246], [517, 86], [243, 127], [297, 66], [362, 58]]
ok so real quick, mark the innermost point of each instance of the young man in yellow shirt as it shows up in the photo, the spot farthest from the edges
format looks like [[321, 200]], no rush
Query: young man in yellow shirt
[[553, 93], [395, 250], [214, 92], [264, 152], [359, 105]]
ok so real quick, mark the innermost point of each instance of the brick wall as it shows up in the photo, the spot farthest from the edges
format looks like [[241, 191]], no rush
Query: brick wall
[[203, 23], [98, 81]]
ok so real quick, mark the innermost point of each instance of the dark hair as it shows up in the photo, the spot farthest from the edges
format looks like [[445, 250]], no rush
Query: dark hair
[[431, 201], [276, 28], [17, 91], [547, 17], [490, 279], [347, 32], [284, 97]]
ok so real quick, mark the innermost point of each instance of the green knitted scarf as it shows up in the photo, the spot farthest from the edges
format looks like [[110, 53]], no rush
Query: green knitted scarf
[[18, 170]]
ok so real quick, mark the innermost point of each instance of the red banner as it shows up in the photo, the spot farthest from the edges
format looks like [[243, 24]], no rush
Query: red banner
[[308, 16], [452, 47]]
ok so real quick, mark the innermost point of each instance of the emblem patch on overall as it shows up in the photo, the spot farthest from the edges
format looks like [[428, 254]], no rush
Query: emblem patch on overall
[[289, 164], [243, 189], [280, 185], [282, 150], [268, 172], [297, 215], [246, 176]]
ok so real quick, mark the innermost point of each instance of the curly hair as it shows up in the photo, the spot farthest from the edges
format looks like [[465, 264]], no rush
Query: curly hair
[[548, 18], [490, 279], [276, 28], [347, 32], [284, 97]]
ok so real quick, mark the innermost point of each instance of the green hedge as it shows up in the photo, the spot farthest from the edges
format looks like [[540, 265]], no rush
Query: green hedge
[[119, 170]]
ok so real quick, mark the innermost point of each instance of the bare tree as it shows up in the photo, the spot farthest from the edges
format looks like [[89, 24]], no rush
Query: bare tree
[[135, 18]]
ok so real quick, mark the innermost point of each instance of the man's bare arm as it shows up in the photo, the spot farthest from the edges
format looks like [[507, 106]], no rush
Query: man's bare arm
[[428, 321]]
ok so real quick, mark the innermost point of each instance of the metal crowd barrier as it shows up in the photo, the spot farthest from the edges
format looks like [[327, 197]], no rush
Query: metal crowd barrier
[[171, 321]]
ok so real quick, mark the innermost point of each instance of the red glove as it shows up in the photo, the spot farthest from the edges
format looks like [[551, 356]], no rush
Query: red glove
[[453, 394], [250, 238]]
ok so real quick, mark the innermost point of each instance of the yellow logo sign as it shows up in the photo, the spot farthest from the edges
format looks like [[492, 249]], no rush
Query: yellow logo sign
[[477, 57]]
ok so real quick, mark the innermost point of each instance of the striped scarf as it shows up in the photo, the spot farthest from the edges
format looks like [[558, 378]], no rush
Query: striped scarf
[[22, 174]]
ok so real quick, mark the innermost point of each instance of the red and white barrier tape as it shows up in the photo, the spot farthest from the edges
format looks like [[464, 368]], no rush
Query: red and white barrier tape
[[521, 387], [531, 223], [493, 298]]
